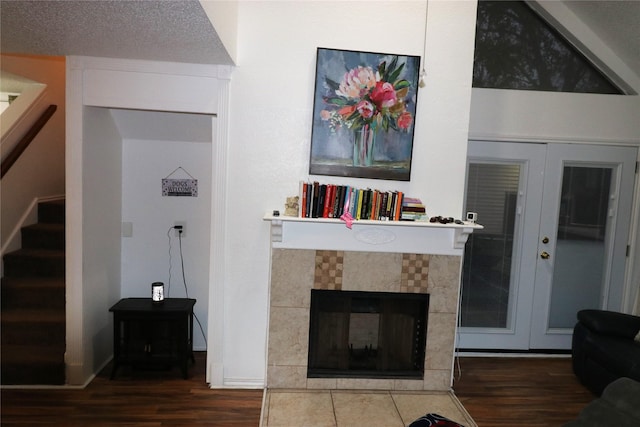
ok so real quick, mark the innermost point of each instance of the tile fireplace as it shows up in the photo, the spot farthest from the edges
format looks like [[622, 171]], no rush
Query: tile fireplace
[[379, 258]]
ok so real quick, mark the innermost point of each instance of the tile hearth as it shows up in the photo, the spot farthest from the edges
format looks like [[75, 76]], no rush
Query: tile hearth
[[347, 408]]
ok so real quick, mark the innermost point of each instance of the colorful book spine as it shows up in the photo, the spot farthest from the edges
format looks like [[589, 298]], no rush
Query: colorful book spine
[[303, 199], [326, 202], [348, 203], [353, 200], [360, 200], [366, 203], [339, 201], [321, 196], [396, 216], [314, 200], [374, 201], [383, 206]]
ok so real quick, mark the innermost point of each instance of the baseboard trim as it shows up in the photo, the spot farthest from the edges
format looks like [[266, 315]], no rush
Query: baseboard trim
[[246, 383], [514, 353]]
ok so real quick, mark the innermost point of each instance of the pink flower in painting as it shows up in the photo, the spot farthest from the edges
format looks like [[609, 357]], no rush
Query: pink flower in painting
[[366, 109], [383, 95], [405, 120], [357, 82]]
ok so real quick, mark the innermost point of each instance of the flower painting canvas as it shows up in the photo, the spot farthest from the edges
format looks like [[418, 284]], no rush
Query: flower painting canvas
[[364, 114]]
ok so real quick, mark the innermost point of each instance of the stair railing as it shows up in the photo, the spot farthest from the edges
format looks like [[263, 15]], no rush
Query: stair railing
[[26, 139]]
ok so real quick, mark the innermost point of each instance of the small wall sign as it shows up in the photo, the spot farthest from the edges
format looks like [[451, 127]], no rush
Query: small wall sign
[[184, 187]]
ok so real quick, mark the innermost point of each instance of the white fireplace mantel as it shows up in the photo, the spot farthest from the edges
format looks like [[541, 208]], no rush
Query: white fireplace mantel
[[369, 236]]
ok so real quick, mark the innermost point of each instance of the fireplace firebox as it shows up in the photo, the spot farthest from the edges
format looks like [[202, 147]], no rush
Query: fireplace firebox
[[355, 334]]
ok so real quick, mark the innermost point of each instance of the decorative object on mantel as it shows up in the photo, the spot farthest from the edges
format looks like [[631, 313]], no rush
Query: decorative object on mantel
[[445, 220], [291, 206], [346, 215], [363, 119], [180, 187]]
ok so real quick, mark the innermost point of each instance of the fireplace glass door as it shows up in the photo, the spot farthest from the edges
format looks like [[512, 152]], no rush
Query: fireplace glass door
[[367, 334]]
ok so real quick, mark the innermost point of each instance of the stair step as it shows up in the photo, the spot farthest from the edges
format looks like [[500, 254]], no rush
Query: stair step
[[32, 327], [34, 263], [43, 236], [51, 212], [23, 315], [33, 292], [32, 320], [28, 364]]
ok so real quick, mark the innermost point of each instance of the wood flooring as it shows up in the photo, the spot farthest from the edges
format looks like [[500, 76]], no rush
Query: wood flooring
[[134, 398], [523, 392]]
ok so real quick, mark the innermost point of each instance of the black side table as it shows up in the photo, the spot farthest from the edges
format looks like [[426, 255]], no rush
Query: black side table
[[148, 334]]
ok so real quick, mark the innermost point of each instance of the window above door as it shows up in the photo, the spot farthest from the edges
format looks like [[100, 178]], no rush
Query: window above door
[[517, 49]]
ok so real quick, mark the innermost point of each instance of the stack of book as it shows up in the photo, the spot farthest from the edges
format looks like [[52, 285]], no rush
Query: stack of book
[[413, 210], [332, 201]]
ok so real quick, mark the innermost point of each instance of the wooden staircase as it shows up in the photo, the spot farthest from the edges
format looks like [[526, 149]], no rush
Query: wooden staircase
[[32, 312]]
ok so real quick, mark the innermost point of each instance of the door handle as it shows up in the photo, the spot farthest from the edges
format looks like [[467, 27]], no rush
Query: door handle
[[544, 255]]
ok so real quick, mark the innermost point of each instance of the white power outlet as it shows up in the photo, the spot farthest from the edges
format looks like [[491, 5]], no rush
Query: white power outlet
[[182, 224]]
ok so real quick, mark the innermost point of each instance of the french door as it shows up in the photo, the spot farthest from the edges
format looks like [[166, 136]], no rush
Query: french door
[[556, 224]]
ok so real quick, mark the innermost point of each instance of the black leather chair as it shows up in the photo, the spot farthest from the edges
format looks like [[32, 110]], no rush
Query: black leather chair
[[604, 349]]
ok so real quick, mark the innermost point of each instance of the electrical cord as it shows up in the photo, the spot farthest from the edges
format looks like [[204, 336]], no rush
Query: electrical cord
[[456, 351], [169, 282], [186, 290], [184, 280]]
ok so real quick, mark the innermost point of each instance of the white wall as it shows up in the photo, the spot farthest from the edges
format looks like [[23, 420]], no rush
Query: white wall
[[102, 201], [145, 255], [522, 115], [270, 129]]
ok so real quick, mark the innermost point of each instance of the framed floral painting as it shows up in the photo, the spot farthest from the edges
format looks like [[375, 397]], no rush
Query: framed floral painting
[[364, 114]]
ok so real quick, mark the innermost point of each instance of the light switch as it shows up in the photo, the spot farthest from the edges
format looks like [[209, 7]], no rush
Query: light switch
[[127, 229]]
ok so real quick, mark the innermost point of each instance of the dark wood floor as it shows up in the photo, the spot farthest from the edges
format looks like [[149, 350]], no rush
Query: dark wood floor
[[496, 392], [134, 398], [523, 392]]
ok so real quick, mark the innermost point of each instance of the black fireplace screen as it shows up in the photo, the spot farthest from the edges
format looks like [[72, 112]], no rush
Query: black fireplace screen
[[367, 334]]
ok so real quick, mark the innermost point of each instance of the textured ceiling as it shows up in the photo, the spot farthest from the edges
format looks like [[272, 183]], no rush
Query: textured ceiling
[[180, 31], [166, 30]]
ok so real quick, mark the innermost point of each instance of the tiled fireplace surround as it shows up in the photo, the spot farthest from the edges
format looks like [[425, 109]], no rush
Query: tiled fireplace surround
[[387, 257]]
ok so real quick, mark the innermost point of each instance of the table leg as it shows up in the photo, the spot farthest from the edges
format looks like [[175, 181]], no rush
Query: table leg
[[116, 346]]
